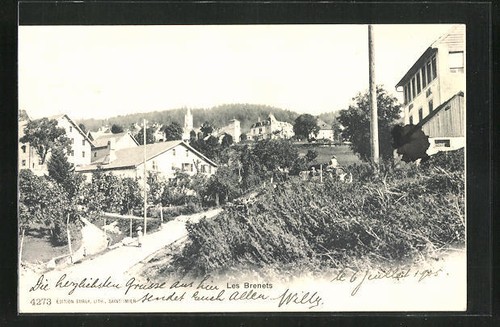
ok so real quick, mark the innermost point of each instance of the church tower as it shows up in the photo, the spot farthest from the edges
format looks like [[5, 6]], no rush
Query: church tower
[[188, 125]]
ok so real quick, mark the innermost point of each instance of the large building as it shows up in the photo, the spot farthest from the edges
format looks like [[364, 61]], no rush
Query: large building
[[104, 144], [79, 153], [271, 128], [165, 158], [433, 90]]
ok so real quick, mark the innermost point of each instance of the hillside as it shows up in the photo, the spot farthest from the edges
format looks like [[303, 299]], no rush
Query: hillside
[[219, 116]]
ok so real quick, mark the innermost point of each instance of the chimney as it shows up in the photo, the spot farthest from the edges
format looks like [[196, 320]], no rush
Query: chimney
[[111, 152]]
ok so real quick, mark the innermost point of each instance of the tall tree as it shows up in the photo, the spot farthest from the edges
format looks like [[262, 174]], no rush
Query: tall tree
[[305, 125], [62, 172], [356, 120], [44, 135], [150, 138], [115, 129], [274, 154], [42, 201], [173, 131], [82, 127], [227, 140], [206, 128]]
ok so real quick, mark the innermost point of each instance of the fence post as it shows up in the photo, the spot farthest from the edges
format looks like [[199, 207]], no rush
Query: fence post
[[69, 240], [161, 213]]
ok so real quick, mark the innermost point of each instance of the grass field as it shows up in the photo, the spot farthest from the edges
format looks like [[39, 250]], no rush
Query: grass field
[[37, 247], [344, 154]]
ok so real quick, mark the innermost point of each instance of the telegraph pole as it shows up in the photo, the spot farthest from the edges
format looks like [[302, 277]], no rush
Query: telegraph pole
[[144, 182], [373, 98]]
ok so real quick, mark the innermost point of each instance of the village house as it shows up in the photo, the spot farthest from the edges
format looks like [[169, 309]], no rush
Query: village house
[[164, 158], [325, 132], [79, 153], [233, 129], [104, 144], [433, 90], [271, 128]]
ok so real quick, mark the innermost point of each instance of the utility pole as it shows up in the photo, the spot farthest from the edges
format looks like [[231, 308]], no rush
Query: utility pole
[[373, 98], [144, 182]]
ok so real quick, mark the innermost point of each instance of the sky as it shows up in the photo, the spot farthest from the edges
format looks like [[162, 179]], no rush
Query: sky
[[104, 71]]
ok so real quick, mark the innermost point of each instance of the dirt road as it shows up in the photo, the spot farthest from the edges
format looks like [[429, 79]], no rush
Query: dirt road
[[117, 261]]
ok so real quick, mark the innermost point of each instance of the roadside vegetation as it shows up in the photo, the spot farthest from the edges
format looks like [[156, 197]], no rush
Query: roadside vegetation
[[399, 214]]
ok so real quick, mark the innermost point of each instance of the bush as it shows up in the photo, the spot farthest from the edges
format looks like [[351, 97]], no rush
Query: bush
[[398, 215]]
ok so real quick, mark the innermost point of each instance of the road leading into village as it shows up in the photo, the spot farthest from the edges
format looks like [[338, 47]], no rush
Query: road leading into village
[[118, 261]]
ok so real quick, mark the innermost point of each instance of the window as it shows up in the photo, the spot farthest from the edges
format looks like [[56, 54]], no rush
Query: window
[[23, 163], [406, 94], [434, 68], [95, 154], [187, 153], [83, 142], [209, 169], [40, 162], [418, 83], [428, 93], [203, 168], [185, 167], [71, 129], [72, 141], [23, 148], [154, 165], [424, 78], [456, 61], [429, 72], [431, 106], [442, 143], [420, 115], [83, 154], [413, 89], [419, 86], [72, 153], [411, 120], [173, 152]]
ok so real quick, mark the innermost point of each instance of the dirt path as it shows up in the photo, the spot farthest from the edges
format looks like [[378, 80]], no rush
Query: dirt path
[[117, 261]]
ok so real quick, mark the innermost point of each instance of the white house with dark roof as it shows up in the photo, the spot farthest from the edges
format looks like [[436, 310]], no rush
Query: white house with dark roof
[[433, 90], [165, 158], [81, 144], [271, 128], [79, 153], [105, 143]]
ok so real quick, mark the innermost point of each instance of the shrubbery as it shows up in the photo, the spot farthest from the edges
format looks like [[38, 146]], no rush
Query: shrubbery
[[400, 214]]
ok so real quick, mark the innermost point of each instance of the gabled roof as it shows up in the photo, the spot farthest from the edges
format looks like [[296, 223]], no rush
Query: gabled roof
[[57, 117], [133, 157], [322, 125], [102, 140], [454, 39]]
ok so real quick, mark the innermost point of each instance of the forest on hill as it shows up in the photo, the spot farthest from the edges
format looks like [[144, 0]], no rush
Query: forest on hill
[[218, 116]]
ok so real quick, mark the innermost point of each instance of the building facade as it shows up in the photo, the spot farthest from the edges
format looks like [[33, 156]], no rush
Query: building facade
[[104, 144], [325, 132], [79, 153], [271, 128], [436, 78], [164, 158], [233, 129]]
